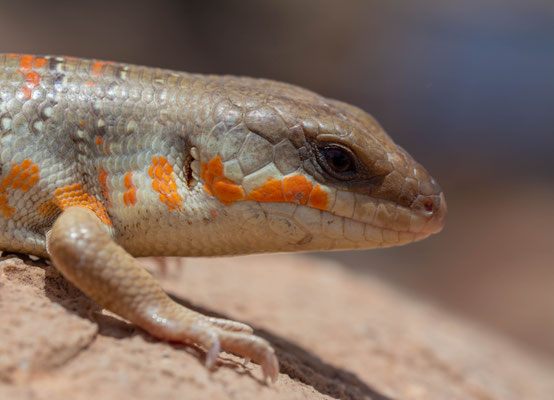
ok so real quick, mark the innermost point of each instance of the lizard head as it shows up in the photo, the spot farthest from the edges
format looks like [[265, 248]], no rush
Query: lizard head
[[296, 171]]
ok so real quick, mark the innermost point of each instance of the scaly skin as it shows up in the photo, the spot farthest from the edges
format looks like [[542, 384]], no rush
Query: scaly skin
[[100, 162]]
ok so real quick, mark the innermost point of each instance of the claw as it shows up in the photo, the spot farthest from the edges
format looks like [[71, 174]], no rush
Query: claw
[[213, 352], [270, 367]]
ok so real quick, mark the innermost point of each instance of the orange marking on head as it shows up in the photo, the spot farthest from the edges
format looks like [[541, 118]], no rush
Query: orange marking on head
[[227, 192], [208, 189], [291, 189], [215, 166], [209, 178], [99, 141], [271, 191], [82, 124], [318, 199], [297, 189], [89, 83]]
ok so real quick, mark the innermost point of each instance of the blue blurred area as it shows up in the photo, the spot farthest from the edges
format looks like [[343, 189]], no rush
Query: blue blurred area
[[473, 80]]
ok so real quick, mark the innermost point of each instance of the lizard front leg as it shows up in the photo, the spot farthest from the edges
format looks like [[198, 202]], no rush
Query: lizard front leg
[[87, 256]]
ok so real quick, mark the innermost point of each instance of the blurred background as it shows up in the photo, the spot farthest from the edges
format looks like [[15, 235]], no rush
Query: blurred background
[[467, 87]]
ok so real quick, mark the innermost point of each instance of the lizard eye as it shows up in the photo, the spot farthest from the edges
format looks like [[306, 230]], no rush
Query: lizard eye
[[337, 160]]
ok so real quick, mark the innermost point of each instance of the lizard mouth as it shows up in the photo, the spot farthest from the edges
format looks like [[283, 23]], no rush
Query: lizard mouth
[[309, 228]]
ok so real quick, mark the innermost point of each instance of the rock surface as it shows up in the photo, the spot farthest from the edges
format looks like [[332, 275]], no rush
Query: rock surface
[[337, 336]]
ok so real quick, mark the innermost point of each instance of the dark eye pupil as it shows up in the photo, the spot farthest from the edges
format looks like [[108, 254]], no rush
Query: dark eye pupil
[[338, 160]]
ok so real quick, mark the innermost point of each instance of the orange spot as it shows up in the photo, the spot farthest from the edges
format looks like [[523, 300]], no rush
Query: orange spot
[[89, 83], [26, 63], [130, 195], [16, 169], [26, 92], [163, 182], [103, 179], [32, 78], [74, 196], [271, 191], [318, 199], [21, 177], [82, 124], [164, 188], [159, 172], [97, 68], [40, 62], [99, 141], [213, 213], [7, 210], [128, 180], [297, 189]]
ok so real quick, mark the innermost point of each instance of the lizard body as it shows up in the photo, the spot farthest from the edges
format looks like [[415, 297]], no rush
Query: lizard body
[[102, 161]]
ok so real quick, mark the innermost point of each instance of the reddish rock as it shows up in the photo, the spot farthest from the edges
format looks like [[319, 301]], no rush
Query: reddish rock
[[337, 335]]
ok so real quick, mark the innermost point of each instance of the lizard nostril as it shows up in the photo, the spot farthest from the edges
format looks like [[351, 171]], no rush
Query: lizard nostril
[[429, 205]]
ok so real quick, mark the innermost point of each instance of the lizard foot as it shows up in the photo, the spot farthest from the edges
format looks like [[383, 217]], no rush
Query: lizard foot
[[84, 253], [244, 344]]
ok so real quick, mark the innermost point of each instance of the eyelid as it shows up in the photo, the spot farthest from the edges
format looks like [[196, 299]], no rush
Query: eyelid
[[321, 158]]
